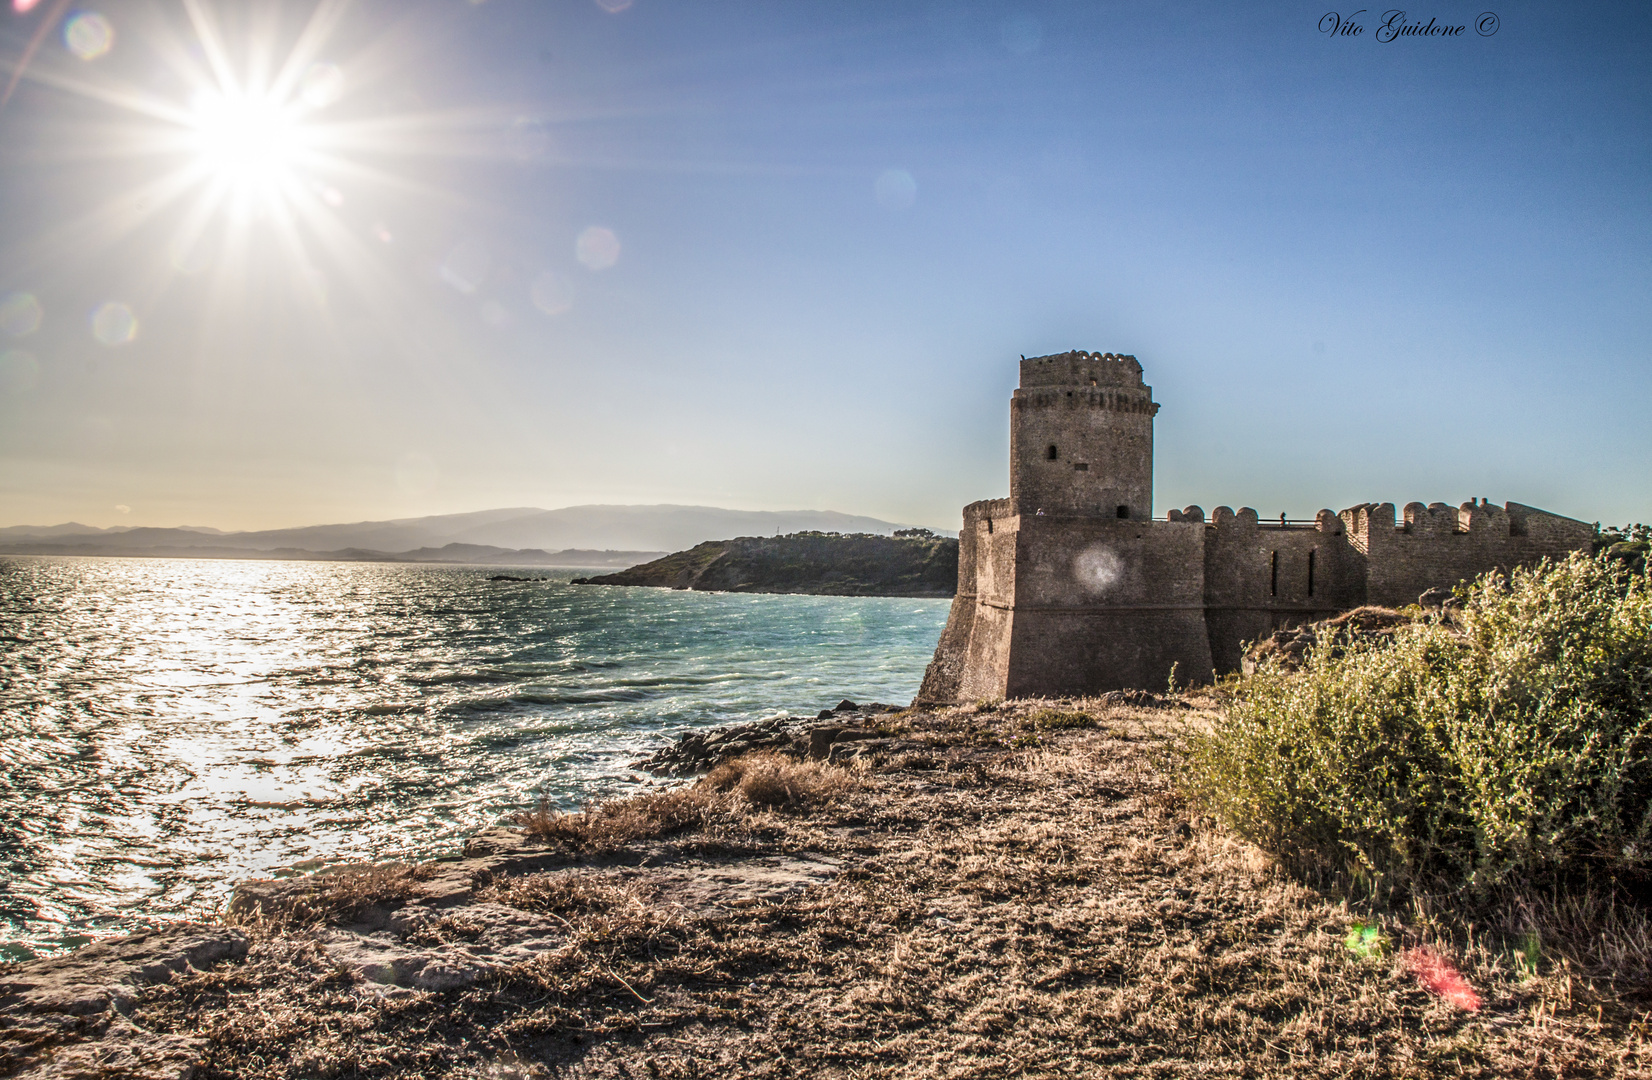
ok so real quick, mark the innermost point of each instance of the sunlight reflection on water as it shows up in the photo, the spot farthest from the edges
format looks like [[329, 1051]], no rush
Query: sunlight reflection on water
[[170, 726]]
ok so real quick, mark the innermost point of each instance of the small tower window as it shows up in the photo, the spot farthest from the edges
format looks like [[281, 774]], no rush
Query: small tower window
[[1273, 585], [1124, 511], [1050, 454]]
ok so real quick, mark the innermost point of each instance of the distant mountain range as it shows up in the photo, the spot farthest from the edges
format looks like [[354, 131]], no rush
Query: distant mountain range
[[584, 536]]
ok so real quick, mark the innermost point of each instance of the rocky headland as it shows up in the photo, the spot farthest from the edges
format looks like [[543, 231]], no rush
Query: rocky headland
[[913, 562], [1001, 889]]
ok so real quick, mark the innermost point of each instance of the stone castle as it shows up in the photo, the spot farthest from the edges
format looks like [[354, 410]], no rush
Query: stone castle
[[1070, 586]]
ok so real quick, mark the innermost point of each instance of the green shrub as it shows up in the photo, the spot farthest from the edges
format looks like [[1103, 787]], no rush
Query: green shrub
[[1060, 720], [1508, 743]]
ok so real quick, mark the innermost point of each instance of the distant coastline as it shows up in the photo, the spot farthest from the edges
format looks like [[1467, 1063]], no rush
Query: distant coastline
[[450, 554], [913, 562], [587, 537]]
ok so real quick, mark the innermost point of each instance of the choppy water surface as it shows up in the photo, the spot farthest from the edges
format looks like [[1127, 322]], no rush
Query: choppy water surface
[[169, 726]]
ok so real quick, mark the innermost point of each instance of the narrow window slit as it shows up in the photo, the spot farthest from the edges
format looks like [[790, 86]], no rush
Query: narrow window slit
[[1273, 586]]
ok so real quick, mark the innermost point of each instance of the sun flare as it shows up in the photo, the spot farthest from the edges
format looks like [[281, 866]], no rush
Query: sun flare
[[245, 141], [257, 160]]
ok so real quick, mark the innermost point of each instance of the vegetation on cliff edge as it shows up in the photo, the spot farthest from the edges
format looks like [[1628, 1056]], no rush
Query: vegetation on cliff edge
[[913, 562], [1504, 742]]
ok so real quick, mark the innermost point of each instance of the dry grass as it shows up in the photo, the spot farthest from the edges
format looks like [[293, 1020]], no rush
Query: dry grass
[[774, 780], [1048, 912], [756, 780], [607, 827], [562, 894], [342, 894]]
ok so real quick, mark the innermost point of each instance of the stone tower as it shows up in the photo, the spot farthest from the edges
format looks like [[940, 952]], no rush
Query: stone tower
[[1069, 586], [1081, 438]]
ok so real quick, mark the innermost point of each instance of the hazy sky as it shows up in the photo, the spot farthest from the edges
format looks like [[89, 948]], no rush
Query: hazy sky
[[785, 255]]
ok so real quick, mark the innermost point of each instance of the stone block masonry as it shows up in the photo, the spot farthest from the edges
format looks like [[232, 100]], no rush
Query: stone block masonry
[[1071, 586]]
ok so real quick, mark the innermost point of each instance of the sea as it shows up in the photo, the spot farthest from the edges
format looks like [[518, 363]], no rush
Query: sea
[[170, 726]]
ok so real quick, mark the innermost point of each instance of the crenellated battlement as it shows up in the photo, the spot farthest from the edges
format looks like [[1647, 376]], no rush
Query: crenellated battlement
[[1071, 586], [1477, 517], [1078, 368]]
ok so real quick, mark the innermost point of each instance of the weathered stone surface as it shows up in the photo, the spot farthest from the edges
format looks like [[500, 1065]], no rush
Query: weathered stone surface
[[422, 947], [1436, 597], [1069, 587], [699, 751], [65, 1016]]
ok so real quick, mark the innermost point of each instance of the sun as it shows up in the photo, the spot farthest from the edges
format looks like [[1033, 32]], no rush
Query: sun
[[253, 151], [246, 142]]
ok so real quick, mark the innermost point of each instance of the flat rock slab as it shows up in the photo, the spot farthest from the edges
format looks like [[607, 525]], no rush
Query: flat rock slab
[[438, 947], [64, 1016], [710, 889]]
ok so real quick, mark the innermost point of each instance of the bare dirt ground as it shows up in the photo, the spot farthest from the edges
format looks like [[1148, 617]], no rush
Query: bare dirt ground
[[986, 893]]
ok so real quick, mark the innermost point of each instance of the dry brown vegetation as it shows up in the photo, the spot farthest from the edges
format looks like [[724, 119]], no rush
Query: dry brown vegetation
[[1048, 910], [729, 790], [339, 895]]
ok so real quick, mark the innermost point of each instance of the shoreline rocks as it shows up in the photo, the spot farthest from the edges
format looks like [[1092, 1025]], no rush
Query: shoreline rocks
[[696, 752], [76, 1008]]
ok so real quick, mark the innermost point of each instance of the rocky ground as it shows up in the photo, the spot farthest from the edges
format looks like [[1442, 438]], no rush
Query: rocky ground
[[970, 892]]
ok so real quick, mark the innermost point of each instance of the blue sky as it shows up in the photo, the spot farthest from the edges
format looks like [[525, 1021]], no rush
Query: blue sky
[[1353, 270]]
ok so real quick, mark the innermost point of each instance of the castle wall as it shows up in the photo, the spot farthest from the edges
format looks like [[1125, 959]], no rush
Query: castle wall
[[971, 660], [1106, 605], [1437, 546], [1259, 577], [943, 678]]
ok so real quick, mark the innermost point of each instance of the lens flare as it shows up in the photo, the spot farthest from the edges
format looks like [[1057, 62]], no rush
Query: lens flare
[[613, 7], [895, 189], [597, 247], [1366, 940], [190, 254], [527, 139], [23, 7], [114, 324], [88, 35], [467, 266], [322, 84], [551, 294], [20, 314], [1441, 977], [1098, 568], [19, 371]]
